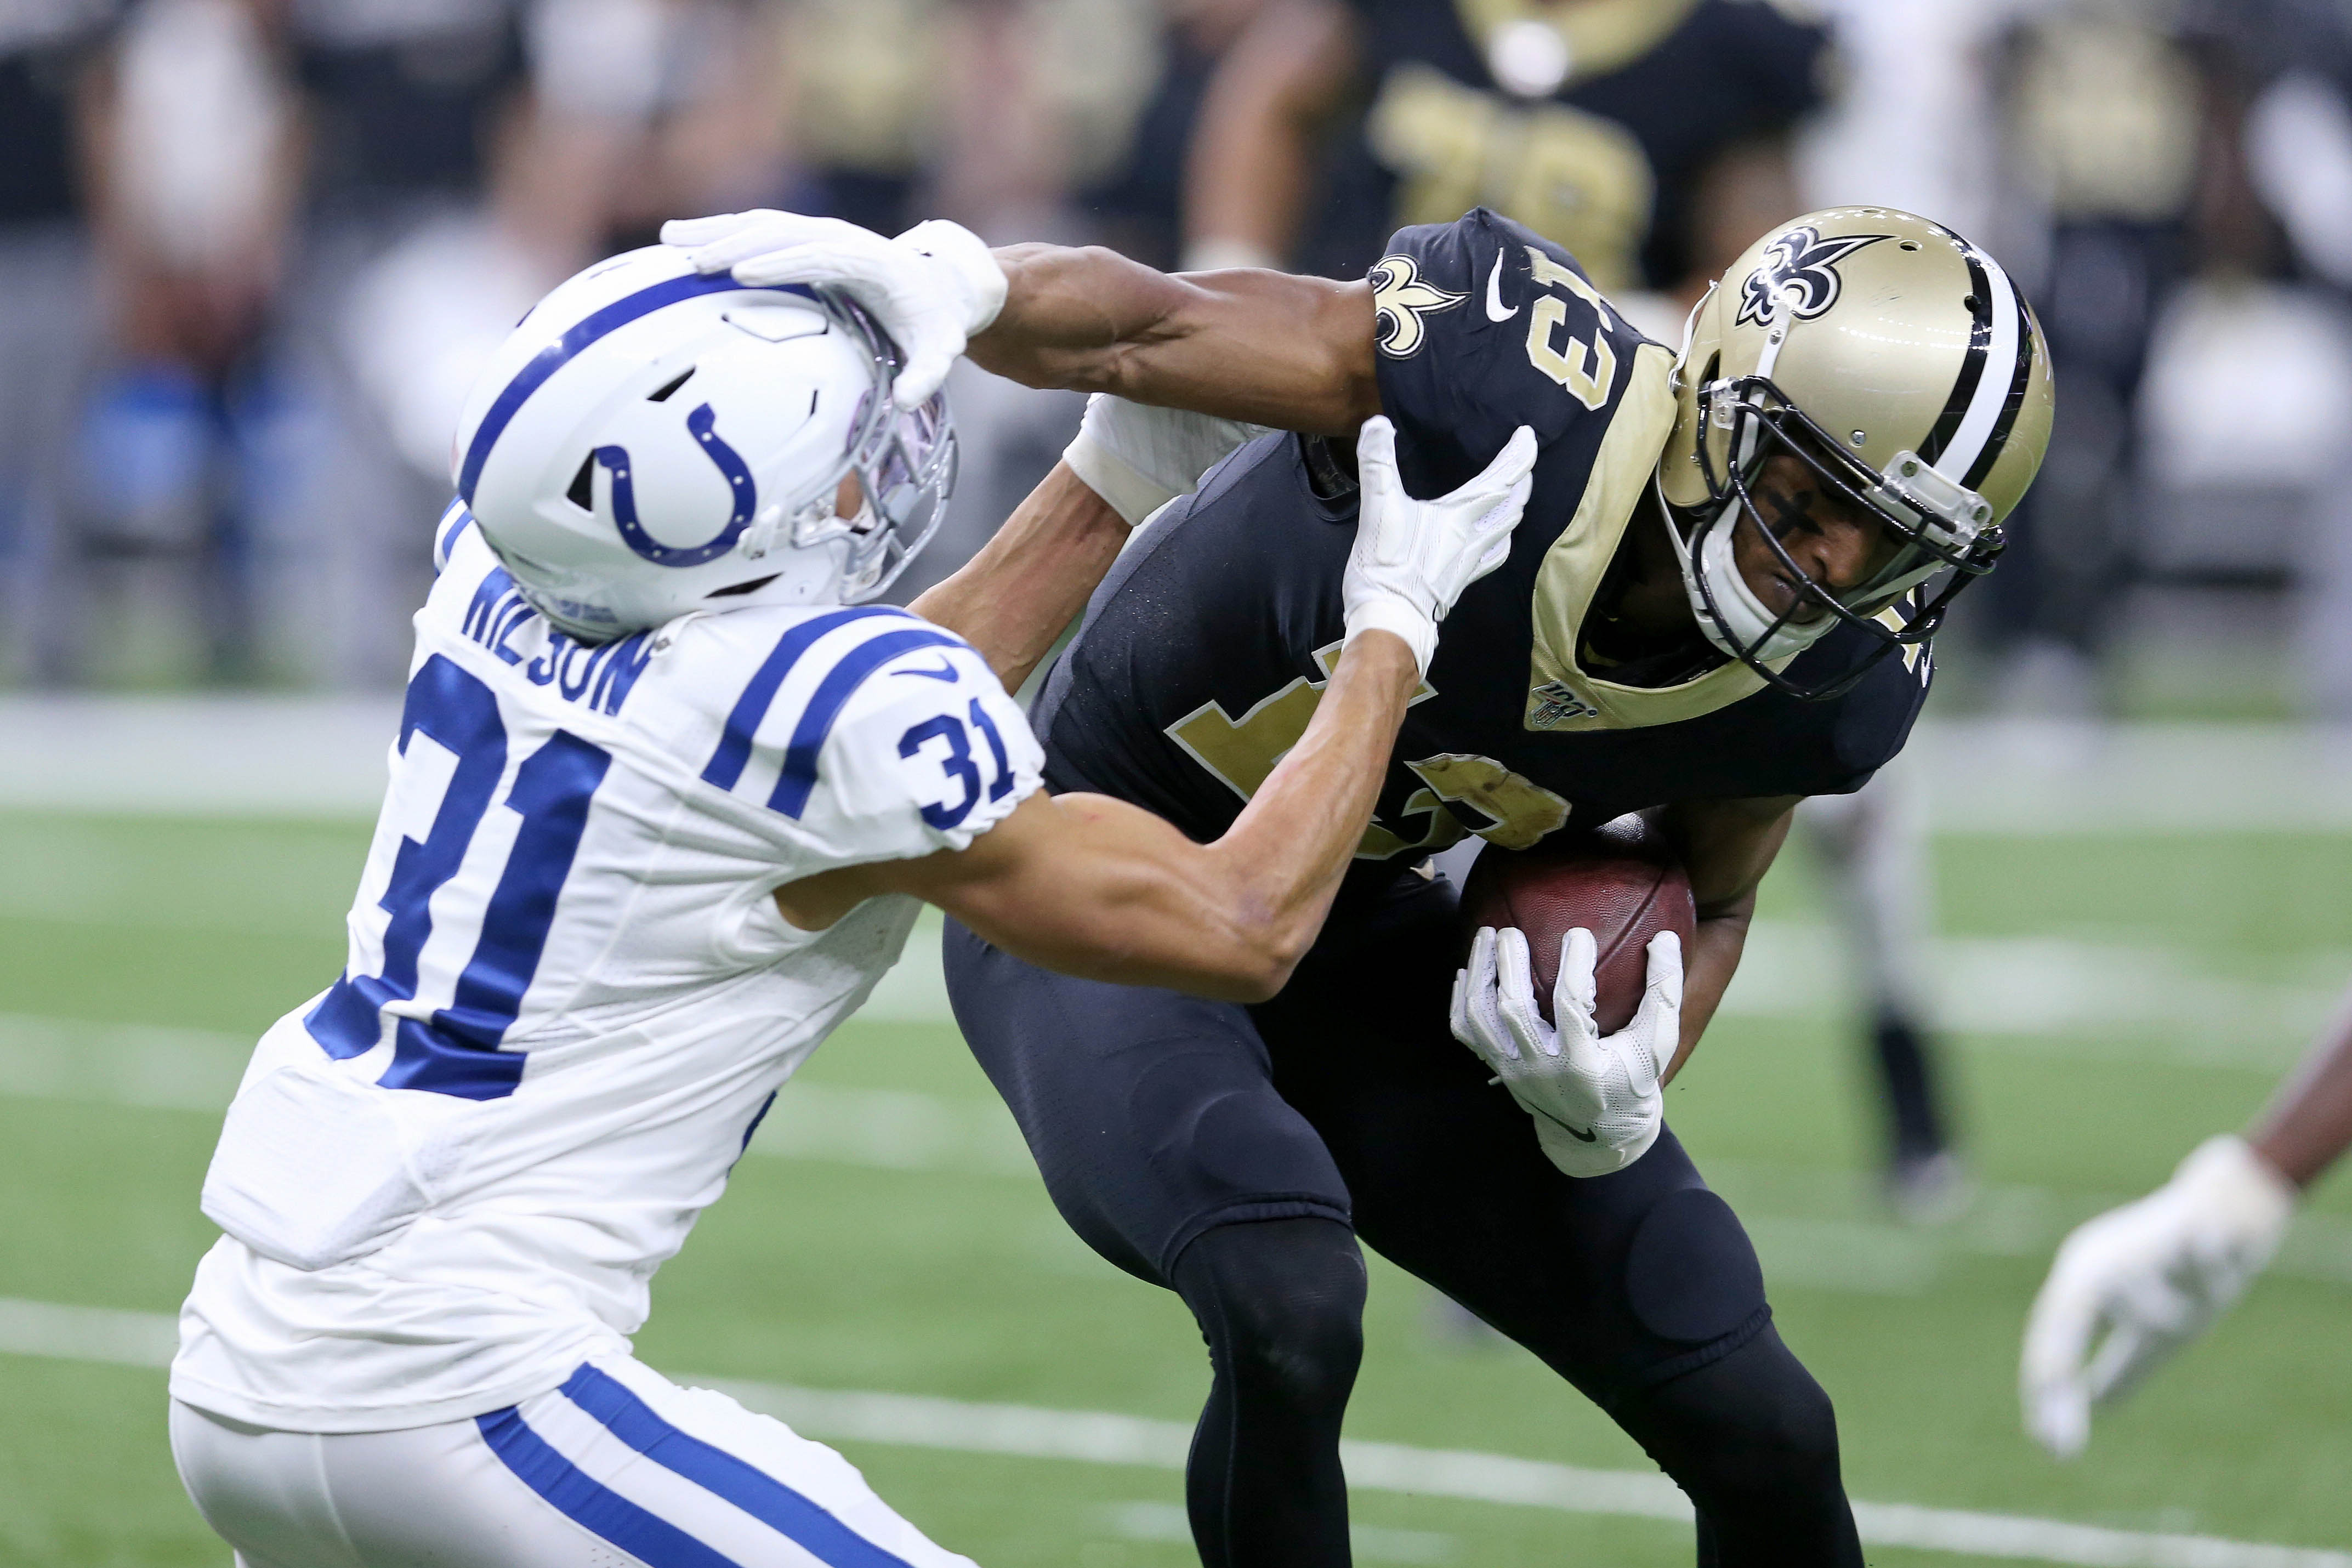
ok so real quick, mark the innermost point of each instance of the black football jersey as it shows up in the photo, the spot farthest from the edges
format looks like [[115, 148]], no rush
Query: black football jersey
[[1607, 164], [1204, 652]]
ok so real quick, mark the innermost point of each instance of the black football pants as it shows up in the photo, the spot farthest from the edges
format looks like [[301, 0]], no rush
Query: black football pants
[[1228, 1153]]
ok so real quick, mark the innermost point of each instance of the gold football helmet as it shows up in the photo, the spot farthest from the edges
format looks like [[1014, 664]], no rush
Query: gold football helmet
[[1901, 364]]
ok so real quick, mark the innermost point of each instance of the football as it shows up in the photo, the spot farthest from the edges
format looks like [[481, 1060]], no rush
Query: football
[[1621, 881]]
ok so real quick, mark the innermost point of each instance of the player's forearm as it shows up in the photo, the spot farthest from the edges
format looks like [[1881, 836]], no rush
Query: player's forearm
[[2309, 1124], [1031, 580], [1727, 845], [1129, 900], [1295, 353], [1283, 856], [1716, 941]]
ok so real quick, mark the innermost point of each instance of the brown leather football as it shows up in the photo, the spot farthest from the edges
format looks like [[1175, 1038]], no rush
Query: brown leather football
[[1621, 881]]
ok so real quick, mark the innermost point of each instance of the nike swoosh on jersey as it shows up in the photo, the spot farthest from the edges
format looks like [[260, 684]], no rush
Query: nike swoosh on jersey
[[946, 671], [1495, 311]]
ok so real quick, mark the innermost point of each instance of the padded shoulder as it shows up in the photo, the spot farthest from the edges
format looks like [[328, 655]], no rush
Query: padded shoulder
[[863, 734], [1483, 326]]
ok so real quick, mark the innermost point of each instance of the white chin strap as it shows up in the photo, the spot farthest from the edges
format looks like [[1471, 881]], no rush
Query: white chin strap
[[1745, 627]]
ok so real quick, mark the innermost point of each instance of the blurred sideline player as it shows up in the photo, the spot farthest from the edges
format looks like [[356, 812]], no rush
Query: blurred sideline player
[[1646, 137], [1649, 138], [2144, 1279], [664, 796], [1717, 605]]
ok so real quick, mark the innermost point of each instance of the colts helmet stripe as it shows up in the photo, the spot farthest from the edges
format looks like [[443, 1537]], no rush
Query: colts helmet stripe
[[561, 353]]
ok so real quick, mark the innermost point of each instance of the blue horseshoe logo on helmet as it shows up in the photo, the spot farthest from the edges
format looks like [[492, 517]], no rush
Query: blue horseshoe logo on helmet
[[616, 461]]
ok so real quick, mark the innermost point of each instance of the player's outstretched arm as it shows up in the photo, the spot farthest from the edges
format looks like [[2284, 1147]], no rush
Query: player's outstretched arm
[[2308, 1125], [1032, 578], [1295, 353], [1095, 887], [2136, 1284], [1272, 348]]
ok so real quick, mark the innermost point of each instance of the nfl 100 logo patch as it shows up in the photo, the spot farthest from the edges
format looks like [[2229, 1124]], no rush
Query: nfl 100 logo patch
[[1555, 703]]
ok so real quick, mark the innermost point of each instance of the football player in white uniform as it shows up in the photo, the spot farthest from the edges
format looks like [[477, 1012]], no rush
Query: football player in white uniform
[[666, 793]]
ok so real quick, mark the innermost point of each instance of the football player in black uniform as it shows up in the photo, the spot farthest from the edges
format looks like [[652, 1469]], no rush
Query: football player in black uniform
[[1649, 138], [1645, 136], [1717, 604]]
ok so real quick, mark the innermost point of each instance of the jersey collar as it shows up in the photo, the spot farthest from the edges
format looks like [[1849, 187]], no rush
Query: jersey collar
[[1563, 697]]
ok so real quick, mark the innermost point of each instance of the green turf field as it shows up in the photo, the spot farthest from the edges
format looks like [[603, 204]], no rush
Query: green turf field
[[887, 1238]]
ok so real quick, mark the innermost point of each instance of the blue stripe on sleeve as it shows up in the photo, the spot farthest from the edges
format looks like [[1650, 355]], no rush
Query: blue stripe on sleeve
[[726, 764], [563, 349], [453, 522], [714, 1470], [798, 780], [655, 1542]]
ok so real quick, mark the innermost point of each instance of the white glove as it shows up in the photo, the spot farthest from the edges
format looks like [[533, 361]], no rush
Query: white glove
[[1139, 458], [932, 288], [1412, 558], [2153, 1274], [1596, 1101]]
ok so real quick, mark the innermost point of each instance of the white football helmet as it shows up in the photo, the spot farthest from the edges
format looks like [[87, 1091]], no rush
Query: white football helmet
[[649, 441]]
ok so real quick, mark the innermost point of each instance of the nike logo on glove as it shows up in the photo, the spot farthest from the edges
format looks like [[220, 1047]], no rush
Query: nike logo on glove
[[1592, 1137], [1495, 311], [946, 671]]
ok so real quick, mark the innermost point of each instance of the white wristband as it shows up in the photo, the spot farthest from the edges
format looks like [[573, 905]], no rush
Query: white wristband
[[1107, 474], [1139, 458], [1385, 614], [2242, 1184]]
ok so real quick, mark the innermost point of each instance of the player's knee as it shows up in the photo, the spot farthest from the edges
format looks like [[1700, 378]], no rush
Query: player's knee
[[1281, 1303], [1752, 1428]]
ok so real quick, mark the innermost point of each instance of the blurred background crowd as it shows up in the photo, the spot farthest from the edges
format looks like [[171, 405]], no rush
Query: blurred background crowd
[[251, 250]]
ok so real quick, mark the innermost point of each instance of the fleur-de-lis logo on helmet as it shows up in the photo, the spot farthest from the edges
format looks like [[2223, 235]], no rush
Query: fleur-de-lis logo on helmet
[[1801, 267], [1400, 298]]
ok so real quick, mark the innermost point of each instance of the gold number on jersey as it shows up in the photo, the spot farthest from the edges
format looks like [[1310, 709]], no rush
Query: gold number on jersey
[[1518, 810], [1243, 752], [1577, 179], [1587, 370]]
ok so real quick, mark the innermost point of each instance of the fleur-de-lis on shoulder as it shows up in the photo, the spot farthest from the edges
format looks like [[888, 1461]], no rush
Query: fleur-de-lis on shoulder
[[1401, 298]]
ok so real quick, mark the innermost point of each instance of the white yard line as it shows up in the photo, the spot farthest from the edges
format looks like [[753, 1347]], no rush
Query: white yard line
[[145, 1339]]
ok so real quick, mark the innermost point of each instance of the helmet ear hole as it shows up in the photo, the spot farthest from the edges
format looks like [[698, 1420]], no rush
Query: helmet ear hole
[[583, 493], [661, 393]]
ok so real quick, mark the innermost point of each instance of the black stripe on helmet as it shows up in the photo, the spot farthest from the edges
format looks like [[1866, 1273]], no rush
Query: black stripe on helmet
[[1998, 442], [1973, 368]]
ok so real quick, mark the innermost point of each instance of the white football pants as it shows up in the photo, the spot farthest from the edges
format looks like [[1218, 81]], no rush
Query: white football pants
[[619, 1467]]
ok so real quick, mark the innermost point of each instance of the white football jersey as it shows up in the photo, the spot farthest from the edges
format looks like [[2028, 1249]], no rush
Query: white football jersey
[[448, 1180]]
